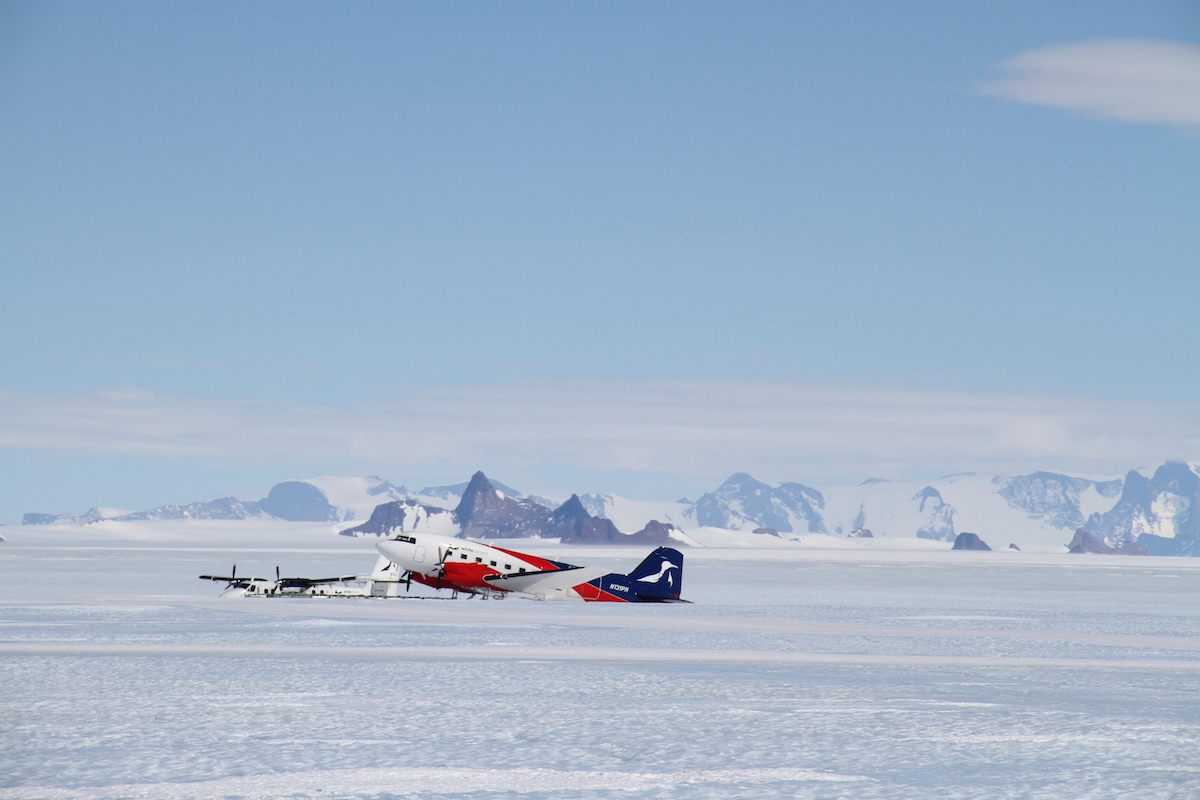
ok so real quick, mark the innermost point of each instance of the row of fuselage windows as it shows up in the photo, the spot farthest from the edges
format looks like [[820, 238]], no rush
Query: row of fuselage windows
[[479, 560]]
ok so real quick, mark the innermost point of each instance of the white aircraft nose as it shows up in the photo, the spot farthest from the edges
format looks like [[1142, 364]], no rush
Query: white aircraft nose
[[388, 549]]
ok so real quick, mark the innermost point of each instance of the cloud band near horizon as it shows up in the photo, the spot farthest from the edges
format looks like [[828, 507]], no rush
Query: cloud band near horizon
[[698, 428]]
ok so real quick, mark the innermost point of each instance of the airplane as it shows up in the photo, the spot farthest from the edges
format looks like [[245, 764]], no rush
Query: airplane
[[261, 587], [462, 565]]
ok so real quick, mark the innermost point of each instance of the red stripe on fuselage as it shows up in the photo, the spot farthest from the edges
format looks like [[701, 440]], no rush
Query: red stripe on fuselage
[[464, 577], [594, 594]]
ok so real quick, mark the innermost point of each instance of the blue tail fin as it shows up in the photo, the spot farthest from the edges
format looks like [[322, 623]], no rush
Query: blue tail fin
[[659, 577]]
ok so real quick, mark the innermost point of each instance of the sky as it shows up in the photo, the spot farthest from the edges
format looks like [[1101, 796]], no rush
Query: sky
[[618, 247]]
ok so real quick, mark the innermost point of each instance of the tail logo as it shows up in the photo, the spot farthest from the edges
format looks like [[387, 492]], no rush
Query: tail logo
[[662, 570]]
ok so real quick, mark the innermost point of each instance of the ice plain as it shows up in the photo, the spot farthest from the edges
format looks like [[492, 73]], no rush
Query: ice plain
[[868, 672]]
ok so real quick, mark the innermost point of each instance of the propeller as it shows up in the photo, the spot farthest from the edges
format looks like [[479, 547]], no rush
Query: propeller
[[441, 565]]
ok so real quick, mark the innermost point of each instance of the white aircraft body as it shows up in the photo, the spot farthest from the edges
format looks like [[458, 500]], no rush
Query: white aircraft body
[[466, 566]]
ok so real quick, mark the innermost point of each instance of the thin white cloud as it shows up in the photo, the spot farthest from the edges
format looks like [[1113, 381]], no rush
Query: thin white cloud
[[1137, 80], [697, 428]]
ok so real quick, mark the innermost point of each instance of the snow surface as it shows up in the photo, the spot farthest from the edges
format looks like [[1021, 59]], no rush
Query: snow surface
[[834, 669]]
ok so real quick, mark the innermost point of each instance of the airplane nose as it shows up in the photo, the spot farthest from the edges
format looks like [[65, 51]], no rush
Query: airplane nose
[[386, 548]]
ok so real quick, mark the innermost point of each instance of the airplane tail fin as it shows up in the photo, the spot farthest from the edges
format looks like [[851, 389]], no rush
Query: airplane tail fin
[[384, 570], [659, 577]]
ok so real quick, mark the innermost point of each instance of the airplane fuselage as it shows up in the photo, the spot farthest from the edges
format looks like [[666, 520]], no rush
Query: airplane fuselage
[[445, 562]]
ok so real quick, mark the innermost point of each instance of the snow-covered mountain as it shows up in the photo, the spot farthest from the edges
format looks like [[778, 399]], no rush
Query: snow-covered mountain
[[1041, 510], [1155, 508], [742, 502], [406, 516], [1061, 500], [294, 501], [91, 515], [1159, 513], [630, 515]]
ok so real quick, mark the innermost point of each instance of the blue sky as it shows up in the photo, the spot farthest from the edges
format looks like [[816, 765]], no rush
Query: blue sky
[[399, 228]]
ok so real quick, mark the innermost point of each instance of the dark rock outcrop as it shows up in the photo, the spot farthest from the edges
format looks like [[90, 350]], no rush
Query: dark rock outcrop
[[393, 516], [655, 533], [860, 533], [485, 513], [1012, 546], [766, 532], [572, 524], [969, 541], [1085, 542]]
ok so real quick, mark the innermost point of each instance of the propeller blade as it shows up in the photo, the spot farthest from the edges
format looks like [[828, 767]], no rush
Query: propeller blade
[[408, 583], [277, 572]]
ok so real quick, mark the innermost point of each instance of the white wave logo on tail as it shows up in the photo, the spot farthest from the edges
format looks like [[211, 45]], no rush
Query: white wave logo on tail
[[662, 570]]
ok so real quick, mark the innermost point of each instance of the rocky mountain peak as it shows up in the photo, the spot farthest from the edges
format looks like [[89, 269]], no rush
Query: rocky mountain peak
[[480, 496], [485, 513], [569, 511], [655, 533]]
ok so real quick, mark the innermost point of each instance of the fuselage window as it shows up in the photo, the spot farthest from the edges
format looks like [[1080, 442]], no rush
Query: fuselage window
[[464, 556], [522, 569], [478, 560], [493, 563], [508, 567]]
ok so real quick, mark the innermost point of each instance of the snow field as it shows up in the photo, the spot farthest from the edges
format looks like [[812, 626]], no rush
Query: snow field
[[811, 674]]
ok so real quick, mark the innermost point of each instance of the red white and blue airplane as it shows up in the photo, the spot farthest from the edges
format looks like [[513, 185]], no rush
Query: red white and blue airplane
[[462, 565]]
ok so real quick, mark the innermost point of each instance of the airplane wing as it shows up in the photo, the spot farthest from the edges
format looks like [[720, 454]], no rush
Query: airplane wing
[[546, 584], [305, 583], [232, 580]]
